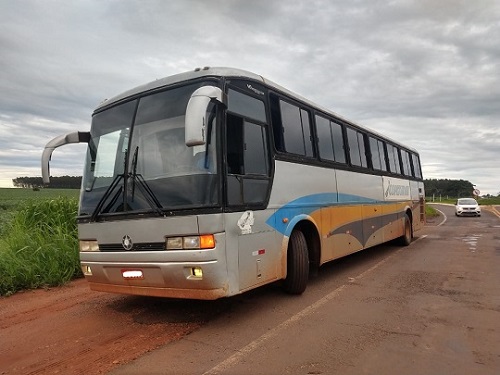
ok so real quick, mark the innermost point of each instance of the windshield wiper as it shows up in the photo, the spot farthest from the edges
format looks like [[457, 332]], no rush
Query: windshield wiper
[[146, 191], [106, 195]]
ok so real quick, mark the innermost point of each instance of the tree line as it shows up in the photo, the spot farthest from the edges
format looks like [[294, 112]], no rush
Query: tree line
[[62, 182], [437, 187], [449, 188]]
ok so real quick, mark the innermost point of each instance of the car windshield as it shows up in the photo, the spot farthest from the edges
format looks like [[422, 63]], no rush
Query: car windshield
[[137, 159], [467, 202]]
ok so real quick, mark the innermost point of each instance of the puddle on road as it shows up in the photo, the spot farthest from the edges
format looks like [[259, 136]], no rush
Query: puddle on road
[[471, 240]]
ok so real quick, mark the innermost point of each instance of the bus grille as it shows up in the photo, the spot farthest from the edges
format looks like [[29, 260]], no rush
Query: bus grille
[[152, 246]]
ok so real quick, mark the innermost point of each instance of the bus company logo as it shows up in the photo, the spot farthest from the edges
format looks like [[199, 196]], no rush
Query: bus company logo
[[258, 92], [393, 190], [127, 242], [245, 222]]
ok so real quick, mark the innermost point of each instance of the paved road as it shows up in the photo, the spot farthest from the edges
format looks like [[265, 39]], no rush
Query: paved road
[[430, 308]]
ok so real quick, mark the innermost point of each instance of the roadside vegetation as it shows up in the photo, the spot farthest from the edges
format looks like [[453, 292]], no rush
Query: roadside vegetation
[[38, 238], [430, 212]]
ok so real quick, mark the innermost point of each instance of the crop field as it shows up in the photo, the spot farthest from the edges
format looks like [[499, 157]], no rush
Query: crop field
[[11, 197], [38, 238]]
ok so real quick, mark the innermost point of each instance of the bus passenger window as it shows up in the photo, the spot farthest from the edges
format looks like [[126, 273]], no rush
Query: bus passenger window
[[362, 151], [383, 159], [416, 166], [325, 141], [406, 163], [393, 154], [379, 162], [356, 148], [338, 142], [375, 154], [296, 129], [330, 140]]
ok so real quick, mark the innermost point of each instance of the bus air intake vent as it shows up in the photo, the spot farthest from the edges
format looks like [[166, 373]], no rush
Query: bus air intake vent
[[151, 246]]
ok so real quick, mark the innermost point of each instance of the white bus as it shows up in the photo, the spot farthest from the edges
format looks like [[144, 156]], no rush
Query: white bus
[[216, 181]]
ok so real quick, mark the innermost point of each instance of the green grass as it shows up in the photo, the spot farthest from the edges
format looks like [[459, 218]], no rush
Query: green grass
[[430, 211], [10, 199], [38, 241]]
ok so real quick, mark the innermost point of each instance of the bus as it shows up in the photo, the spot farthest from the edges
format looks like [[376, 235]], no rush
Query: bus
[[210, 183]]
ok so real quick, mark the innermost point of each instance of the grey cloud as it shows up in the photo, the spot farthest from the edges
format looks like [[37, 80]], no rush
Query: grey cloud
[[424, 73]]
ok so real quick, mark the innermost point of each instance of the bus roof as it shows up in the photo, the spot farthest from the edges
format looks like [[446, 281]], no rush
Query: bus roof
[[233, 73]]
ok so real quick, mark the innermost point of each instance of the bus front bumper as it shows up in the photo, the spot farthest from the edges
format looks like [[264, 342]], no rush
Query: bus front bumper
[[197, 280], [202, 294]]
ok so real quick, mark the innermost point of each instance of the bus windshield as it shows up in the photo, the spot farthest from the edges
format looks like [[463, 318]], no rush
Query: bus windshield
[[137, 159]]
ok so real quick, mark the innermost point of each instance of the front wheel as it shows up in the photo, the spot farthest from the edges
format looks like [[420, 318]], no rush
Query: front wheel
[[297, 264], [405, 239]]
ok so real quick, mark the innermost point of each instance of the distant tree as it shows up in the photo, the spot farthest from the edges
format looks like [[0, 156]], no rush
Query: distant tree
[[63, 182]]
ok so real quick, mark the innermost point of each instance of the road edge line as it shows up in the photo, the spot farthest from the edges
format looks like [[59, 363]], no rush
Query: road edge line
[[253, 345]]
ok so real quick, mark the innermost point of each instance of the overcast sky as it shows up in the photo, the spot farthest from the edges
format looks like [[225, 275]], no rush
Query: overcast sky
[[425, 73]]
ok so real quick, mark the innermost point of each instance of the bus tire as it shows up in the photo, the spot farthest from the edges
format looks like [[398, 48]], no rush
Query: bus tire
[[406, 238], [297, 264]]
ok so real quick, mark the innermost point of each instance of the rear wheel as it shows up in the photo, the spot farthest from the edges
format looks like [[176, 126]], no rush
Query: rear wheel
[[297, 264], [405, 239]]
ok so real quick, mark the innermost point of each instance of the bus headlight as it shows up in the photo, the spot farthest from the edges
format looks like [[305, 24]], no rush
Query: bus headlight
[[86, 245], [174, 243], [191, 242], [206, 241]]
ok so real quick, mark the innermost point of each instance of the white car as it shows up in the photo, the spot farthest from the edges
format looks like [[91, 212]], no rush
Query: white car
[[467, 207]]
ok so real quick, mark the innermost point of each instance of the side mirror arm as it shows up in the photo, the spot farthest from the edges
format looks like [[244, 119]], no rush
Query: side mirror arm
[[75, 137]]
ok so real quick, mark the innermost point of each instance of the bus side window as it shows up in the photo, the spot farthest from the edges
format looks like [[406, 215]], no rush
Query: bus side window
[[362, 150], [383, 158], [416, 166], [325, 139], [292, 128], [397, 156], [338, 142], [330, 140], [406, 163], [356, 148], [375, 153], [394, 164]]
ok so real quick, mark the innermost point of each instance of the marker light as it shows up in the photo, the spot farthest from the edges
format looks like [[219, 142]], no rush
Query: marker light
[[88, 245], [207, 241]]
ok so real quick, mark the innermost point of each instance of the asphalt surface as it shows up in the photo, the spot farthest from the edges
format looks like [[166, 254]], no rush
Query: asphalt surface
[[430, 308]]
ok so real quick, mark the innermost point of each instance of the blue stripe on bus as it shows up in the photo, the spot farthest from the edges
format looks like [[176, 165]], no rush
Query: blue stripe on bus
[[309, 204]]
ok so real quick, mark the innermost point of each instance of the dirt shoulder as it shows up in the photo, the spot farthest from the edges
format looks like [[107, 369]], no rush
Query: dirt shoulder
[[72, 330]]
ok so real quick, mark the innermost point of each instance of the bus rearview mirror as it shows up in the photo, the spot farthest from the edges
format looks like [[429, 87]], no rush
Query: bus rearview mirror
[[75, 137], [196, 113]]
